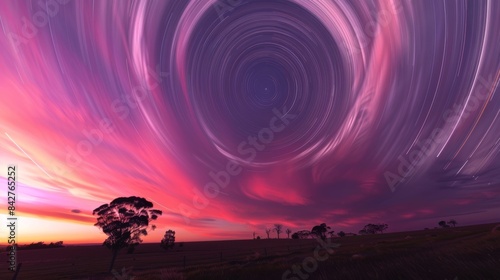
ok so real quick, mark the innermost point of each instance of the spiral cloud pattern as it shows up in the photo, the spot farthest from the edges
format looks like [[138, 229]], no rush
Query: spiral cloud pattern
[[236, 114]]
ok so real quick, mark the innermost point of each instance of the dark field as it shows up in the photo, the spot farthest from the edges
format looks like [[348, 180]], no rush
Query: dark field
[[471, 252]]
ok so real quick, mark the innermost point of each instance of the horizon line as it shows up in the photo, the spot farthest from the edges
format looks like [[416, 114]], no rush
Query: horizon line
[[215, 240]]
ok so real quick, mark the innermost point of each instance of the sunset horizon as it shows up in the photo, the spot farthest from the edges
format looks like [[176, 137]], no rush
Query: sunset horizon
[[248, 236]]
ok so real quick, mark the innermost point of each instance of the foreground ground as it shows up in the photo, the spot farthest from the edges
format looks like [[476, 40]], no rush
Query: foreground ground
[[471, 252]]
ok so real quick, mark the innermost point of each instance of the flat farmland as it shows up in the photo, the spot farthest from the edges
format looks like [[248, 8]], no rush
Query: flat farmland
[[470, 252]]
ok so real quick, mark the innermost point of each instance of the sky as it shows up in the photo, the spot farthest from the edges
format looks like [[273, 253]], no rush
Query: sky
[[234, 115]]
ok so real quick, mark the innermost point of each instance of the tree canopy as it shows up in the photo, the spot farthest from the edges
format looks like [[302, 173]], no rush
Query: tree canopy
[[443, 224], [320, 231], [168, 240], [374, 228], [301, 234], [124, 221]]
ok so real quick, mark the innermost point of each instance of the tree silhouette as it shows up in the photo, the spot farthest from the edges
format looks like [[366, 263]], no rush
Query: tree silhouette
[[320, 231], [278, 228], [168, 240], [374, 228], [452, 222], [341, 234], [124, 220], [331, 233], [443, 224], [288, 231], [382, 227], [301, 234], [268, 231]]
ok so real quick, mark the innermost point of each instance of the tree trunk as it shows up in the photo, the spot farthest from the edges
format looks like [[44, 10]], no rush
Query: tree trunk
[[115, 253]]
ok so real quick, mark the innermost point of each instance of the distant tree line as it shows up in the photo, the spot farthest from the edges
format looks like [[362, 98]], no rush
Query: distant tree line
[[373, 229], [450, 223], [38, 245], [322, 231]]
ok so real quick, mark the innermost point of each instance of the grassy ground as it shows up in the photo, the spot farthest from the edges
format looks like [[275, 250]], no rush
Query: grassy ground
[[471, 252]]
